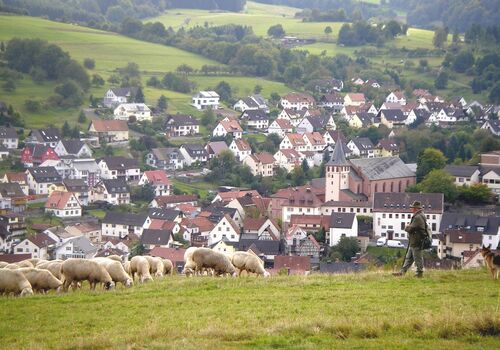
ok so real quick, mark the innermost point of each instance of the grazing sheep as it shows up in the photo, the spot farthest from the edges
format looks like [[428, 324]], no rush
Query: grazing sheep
[[139, 265], [76, 270], [209, 259], [126, 266], [155, 266], [248, 262], [13, 281], [189, 264], [12, 266], [116, 271], [35, 261], [168, 267], [115, 257], [3, 264], [40, 280], [25, 263], [54, 267]]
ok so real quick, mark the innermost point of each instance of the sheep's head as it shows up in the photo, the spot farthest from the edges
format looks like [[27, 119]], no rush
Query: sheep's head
[[266, 274], [27, 291], [109, 285], [129, 283]]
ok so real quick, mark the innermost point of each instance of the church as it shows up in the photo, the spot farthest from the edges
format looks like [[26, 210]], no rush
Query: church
[[356, 180]]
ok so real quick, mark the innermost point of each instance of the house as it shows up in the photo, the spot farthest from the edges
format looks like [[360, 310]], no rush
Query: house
[[387, 148], [206, 100], [319, 123], [75, 148], [261, 164], [37, 245], [90, 230], [297, 101], [308, 247], [357, 81], [151, 239], [86, 170], [392, 212], [293, 264], [109, 131], [251, 103], [173, 201], [241, 149], [491, 178], [447, 116], [464, 174], [493, 126], [227, 196], [165, 214], [215, 148], [396, 97], [300, 201], [227, 229], [166, 158], [193, 153], [228, 126], [175, 255], [4, 152], [372, 83], [261, 229], [19, 178], [115, 96], [314, 142], [63, 205], [294, 116], [8, 137], [158, 180], [288, 159], [354, 99], [116, 167], [181, 125], [12, 198], [40, 179], [392, 118], [472, 259], [256, 119], [133, 112], [280, 127], [122, 225], [249, 206], [326, 85], [294, 141], [112, 191], [76, 247], [196, 230], [35, 154], [333, 102], [331, 137], [419, 115], [341, 225], [362, 147], [48, 137], [292, 236]]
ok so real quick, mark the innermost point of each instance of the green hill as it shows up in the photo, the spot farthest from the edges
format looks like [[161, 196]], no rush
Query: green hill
[[445, 310]]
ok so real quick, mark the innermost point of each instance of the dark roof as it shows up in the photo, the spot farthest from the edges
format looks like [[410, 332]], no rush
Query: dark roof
[[494, 124], [461, 170], [195, 150], [363, 143], [11, 190], [37, 149], [421, 114], [341, 267], [13, 258], [180, 119], [164, 152], [454, 221], [120, 163], [332, 98], [393, 115], [124, 91], [116, 186], [388, 144], [156, 237], [124, 219], [459, 236], [73, 146], [265, 247], [250, 102], [365, 118], [46, 135], [8, 133], [341, 220], [400, 202], [302, 263], [380, 168], [338, 156], [254, 115], [45, 174], [76, 185], [318, 122], [41, 240], [164, 214]]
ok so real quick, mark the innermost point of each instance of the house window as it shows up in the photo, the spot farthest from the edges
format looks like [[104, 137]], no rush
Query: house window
[[403, 226], [383, 216], [390, 216], [68, 248], [396, 216]]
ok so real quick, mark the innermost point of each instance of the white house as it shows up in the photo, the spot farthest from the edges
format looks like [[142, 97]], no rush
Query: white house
[[294, 141], [140, 111], [63, 205], [280, 127], [260, 164], [396, 97], [76, 247], [464, 174], [257, 119], [206, 100], [251, 103], [362, 147], [116, 96], [120, 225], [116, 167], [297, 101], [493, 126], [37, 246], [288, 159], [342, 225], [9, 137], [354, 99], [193, 153], [158, 180], [41, 178], [241, 149], [225, 228], [112, 191], [491, 178], [76, 148], [228, 126]]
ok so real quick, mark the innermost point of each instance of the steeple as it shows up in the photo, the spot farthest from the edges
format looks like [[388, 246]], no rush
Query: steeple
[[338, 156]]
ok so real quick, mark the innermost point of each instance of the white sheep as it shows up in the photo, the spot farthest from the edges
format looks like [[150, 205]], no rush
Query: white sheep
[[116, 271], [139, 265], [189, 264], [168, 267], [25, 263], [126, 266], [155, 266], [12, 266], [35, 261], [115, 257], [248, 262], [3, 264], [205, 258], [76, 270], [40, 280], [13, 281]]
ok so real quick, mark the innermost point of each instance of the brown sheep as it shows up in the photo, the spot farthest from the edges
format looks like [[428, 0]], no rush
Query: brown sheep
[[76, 270], [13, 281], [40, 280]]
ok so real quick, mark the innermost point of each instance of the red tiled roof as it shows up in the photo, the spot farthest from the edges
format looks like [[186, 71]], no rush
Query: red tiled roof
[[17, 177], [173, 254], [253, 224], [295, 97], [356, 97], [41, 240], [202, 223], [231, 125], [295, 139], [302, 263], [174, 199], [58, 200], [264, 158], [284, 124], [303, 220], [109, 125], [315, 138], [229, 196], [242, 145], [157, 177], [13, 258]]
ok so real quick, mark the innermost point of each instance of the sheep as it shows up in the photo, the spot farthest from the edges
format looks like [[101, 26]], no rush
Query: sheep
[[25, 263], [248, 262], [12, 266], [40, 280], [3, 264], [189, 264], [13, 281], [115, 257], [168, 267], [116, 271], [76, 270], [139, 265], [126, 266], [155, 266], [35, 261], [207, 258], [54, 267]]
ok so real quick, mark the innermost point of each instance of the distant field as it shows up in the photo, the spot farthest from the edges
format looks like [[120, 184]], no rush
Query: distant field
[[445, 310]]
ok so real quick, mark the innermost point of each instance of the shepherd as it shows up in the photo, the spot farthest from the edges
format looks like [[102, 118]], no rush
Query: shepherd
[[417, 230]]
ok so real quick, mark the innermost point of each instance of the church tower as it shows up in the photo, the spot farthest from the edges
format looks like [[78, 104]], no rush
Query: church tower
[[337, 173]]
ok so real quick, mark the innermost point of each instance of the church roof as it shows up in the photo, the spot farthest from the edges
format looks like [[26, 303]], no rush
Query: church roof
[[382, 168], [338, 156]]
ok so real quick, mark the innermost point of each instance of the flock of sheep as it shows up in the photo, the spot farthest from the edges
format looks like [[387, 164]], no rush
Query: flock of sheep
[[38, 275]]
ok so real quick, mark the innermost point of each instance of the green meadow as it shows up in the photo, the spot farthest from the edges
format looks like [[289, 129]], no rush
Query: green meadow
[[373, 310]]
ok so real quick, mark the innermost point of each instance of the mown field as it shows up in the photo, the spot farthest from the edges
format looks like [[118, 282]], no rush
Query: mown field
[[445, 310]]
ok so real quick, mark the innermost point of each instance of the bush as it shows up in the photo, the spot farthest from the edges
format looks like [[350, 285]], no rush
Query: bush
[[89, 63], [33, 105]]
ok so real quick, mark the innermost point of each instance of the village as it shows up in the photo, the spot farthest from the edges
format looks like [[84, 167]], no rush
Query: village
[[67, 202]]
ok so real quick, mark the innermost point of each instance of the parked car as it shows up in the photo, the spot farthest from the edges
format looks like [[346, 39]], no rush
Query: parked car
[[381, 241], [391, 243]]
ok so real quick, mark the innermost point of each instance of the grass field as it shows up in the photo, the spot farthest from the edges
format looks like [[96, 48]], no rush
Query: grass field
[[445, 310]]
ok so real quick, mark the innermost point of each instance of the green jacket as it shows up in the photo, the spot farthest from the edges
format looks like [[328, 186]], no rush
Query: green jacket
[[416, 229]]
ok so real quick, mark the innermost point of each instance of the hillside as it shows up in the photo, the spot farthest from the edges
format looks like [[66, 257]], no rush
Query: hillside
[[445, 310]]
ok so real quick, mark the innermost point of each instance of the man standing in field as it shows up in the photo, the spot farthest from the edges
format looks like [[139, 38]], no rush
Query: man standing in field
[[417, 229]]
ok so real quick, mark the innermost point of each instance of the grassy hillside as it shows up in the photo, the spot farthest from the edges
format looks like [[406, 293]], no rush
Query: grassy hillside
[[445, 310]]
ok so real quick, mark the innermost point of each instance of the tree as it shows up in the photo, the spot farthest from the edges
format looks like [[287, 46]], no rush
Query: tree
[[137, 249], [347, 248], [328, 30], [66, 129], [89, 63], [208, 118], [257, 89], [441, 81], [475, 194], [440, 37], [495, 94], [185, 69], [224, 90], [139, 96], [428, 160], [9, 86], [463, 61], [82, 118], [439, 181], [97, 80], [162, 103], [305, 167], [276, 31]]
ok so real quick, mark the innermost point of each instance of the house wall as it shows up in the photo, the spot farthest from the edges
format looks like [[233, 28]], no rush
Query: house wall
[[336, 233], [396, 221]]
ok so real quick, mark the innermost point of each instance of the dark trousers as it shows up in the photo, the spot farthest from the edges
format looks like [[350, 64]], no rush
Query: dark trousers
[[413, 255]]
